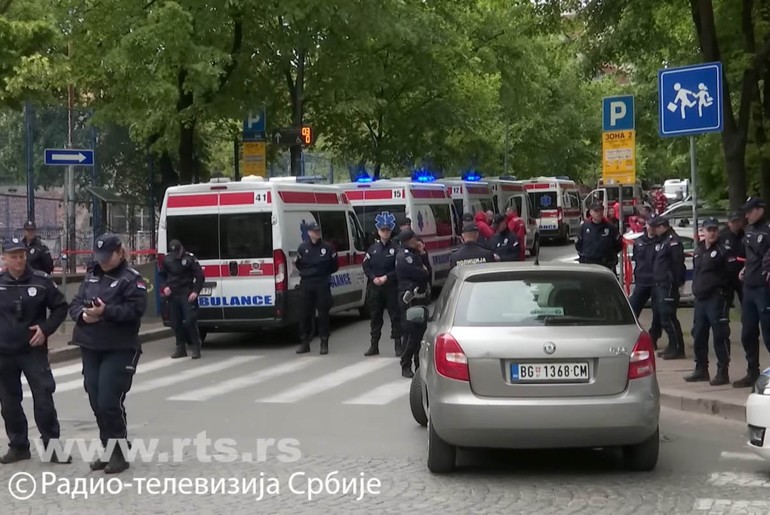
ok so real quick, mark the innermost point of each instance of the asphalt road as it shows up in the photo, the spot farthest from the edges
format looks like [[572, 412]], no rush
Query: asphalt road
[[348, 413]]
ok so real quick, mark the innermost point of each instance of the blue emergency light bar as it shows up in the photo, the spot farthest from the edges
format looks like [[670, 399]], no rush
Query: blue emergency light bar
[[423, 175], [471, 176]]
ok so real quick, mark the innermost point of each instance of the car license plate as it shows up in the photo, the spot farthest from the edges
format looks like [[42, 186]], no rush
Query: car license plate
[[549, 372], [548, 227], [206, 291]]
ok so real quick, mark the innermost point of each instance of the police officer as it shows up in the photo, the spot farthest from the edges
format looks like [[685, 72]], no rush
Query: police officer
[[413, 285], [316, 262], [181, 281], [755, 307], [108, 311], [406, 225], [504, 243], [644, 259], [710, 287], [471, 252], [38, 255], [26, 297], [731, 239], [599, 241], [668, 274], [380, 268]]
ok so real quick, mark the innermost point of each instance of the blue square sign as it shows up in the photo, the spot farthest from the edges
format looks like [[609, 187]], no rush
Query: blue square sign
[[618, 114], [690, 100]]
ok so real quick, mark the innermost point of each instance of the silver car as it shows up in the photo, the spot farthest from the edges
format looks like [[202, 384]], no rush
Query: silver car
[[518, 355]]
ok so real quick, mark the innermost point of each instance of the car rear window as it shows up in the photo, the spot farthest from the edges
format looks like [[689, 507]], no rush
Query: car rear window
[[543, 200], [527, 299]]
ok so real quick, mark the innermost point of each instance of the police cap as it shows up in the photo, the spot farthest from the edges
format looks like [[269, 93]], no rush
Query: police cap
[[498, 219], [30, 225], [737, 215], [406, 235], [13, 244], [596, 206], [753, 203], [313, 226], [470, 227], [710, 223], [174, 245], [105, 245], [657, 221]]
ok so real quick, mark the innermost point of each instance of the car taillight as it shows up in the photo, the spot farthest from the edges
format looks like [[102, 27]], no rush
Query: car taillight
[[450, 359], [279, 266], [642, 362]]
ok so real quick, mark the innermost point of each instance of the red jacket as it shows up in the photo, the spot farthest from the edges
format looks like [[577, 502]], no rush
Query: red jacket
[[484, 229], [517, 226]]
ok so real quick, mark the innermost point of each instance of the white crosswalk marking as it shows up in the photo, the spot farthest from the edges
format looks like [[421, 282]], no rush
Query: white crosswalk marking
[[192, 373], [237, 383], [383, 394], [140, 369], [328, 381]]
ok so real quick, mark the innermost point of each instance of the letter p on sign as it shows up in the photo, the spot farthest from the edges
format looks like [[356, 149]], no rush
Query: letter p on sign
[[618, 113]]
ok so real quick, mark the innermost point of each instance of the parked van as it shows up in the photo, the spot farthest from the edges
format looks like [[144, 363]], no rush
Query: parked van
[[607, 193], [508, 192], [557, 206], [428, 204], [246, 234]]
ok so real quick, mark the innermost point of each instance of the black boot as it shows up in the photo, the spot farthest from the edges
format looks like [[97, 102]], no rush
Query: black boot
[[180, 352], [15, 454], [196, 353], [117, 463], [406, 371], [673, 353], [701, 373], [746, 382], [324, 346], [399, 347], [374, 349], [304, 348], [722, 377]]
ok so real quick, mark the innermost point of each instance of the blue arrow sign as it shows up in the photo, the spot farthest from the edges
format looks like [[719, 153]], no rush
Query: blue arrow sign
[[69, 156], [618, 114], [690, 100]]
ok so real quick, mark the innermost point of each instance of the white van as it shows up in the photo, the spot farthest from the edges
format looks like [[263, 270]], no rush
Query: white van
[[246, 234], [557, 206], [470, 194], [427, 204], [508, 192]]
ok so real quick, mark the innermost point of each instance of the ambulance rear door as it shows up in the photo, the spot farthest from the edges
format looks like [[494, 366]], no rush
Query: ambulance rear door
[[246, 254]]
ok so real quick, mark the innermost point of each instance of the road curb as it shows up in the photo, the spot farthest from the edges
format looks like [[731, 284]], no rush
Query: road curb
[[686, 401], [73, 352]]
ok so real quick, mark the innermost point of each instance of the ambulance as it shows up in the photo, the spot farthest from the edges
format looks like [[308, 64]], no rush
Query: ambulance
[[470, 193], [509, 192], [427, 203], [245, 235], [557, 205]]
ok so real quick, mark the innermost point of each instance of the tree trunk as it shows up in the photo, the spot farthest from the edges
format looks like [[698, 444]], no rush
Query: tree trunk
[[186, 130]]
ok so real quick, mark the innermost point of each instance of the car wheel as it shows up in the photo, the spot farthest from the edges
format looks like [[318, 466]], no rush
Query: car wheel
[[441, 455], [415, 400], [643, 457]]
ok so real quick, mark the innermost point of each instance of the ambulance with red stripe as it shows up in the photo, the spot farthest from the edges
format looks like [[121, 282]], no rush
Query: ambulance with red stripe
[[557, 205], [427, 203], [470, 193], [509, 192], [245, 236]]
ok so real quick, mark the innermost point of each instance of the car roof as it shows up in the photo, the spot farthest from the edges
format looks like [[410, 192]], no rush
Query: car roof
[[465, 272]]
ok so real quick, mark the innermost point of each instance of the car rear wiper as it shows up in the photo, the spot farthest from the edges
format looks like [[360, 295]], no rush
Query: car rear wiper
[[567, 320]]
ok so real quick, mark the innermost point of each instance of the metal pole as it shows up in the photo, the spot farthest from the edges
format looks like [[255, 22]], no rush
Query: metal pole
[[30, 135], [505, 156], [71, 222], [236, 159], [693, 173], [96, 210]]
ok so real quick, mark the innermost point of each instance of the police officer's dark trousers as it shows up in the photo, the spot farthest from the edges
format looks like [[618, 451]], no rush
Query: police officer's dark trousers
[[108, 376], [184, 319], [316, 296], [36, 368], [412, 333], [736, 288], [755, 314], [638, 299], [665, 299], [712, 313], [382, 298]]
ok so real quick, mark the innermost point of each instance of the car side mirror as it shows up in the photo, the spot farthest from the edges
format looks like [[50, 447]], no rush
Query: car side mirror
[[417, 314]]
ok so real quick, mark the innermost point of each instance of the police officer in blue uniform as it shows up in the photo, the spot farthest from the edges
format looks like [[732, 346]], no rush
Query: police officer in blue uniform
[[731, 239], [108, 311], [316, 262], [38, 254], [26, 298], [755, 307], [599, 241], [504, 243], [710, 287], [406, 225], [644, 259], [181, 281], [471, 252], [413, 289], [668, 274], [380, 268]]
